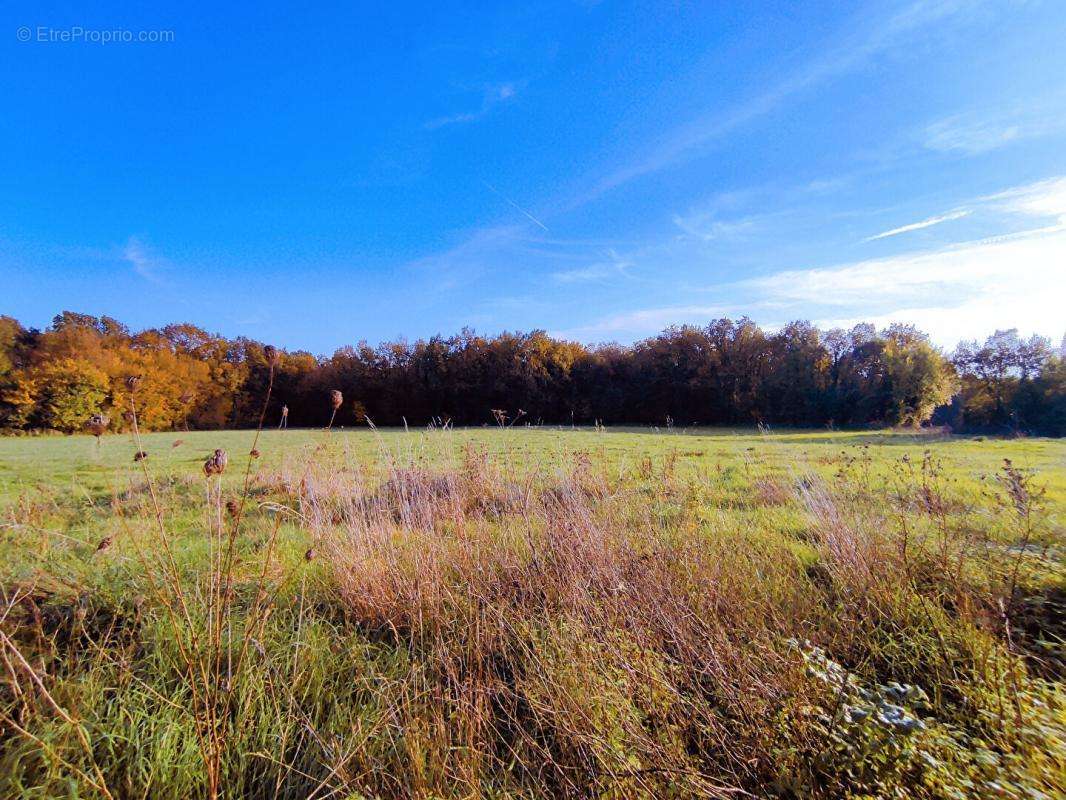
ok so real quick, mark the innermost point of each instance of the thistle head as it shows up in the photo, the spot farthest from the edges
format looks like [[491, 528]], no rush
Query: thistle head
[[216, 463], [98, 423], [336, 399]]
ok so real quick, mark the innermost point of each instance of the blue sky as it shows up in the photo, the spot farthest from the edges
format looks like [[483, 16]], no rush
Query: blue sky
[[345, 171]]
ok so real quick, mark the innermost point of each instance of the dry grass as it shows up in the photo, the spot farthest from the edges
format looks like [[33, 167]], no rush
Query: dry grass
[[573, 629]]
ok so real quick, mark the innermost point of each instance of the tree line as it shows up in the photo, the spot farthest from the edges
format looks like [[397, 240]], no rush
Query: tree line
[[725, 373]]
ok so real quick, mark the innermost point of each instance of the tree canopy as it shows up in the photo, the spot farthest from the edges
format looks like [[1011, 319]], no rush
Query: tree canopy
[[726, 372]]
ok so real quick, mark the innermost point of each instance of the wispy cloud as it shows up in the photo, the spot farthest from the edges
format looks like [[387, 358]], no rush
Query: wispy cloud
[[708, 228], [479, 253], [492, 97], [917, 226], [1045, 198], [144, 262], [976, 132], [954, 292], [744, 214], [1010, 282], [948, 273], [871, 38], [611, 269], [969, 137], [520, 252]]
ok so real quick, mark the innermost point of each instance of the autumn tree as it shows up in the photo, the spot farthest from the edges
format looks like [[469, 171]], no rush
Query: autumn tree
[[725, 372]]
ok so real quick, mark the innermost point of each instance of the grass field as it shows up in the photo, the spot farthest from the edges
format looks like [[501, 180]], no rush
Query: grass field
[[533, 612]]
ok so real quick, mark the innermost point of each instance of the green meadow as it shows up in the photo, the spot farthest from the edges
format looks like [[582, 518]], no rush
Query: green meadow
[[73, 462], [533, 612]]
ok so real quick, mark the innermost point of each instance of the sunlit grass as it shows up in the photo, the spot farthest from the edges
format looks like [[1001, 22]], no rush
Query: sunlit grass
[[533, 613]]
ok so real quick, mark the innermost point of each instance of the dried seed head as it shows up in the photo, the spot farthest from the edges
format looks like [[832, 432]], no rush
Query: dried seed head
[[186, 398], [310, 554], [254, 453], [336, 399], [216, 463], [104, 543], [232, 507], [132, 382], [140, 455], [270, 353], [98, 424]]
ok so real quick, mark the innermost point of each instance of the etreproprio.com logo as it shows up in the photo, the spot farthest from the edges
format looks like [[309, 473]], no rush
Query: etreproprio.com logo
[[76, 34]]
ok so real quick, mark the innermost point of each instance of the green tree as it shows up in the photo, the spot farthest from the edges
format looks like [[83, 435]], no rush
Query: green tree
[[68, 392], [919, 377]]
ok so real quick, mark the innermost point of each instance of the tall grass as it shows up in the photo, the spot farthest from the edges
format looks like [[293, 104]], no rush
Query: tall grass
[[418, 628]]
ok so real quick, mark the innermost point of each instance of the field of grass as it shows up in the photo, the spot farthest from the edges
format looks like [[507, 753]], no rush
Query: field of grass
[[533, 612]]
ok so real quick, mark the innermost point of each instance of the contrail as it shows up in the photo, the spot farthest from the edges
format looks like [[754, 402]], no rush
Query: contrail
[[515, 206], [917, 226]]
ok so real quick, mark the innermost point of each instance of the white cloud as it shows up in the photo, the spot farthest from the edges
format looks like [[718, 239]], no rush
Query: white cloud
[[493, 96], [962, 291], [917, 226], [144, 262], [978, 132], [705, 227], [975, 318], [970, 138], [958, 292], [1045, 198], [601, 270], [954, 293], [1041, 199]]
